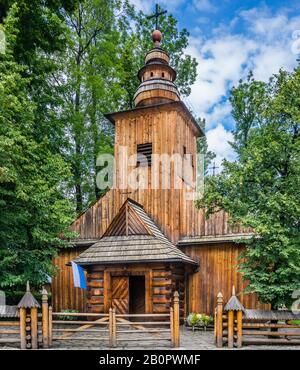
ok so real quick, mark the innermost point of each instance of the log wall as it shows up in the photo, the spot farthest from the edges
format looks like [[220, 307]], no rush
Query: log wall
[[161, 282]]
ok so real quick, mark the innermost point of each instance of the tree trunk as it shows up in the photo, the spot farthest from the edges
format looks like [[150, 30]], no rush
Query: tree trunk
[[96, 143]]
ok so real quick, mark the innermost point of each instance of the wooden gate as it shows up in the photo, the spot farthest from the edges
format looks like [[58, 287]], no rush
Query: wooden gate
[[120, 294], [113, 329]]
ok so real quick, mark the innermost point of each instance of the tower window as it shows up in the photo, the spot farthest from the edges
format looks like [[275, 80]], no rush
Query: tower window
[[163, 75], [144, 154], [151, 74]]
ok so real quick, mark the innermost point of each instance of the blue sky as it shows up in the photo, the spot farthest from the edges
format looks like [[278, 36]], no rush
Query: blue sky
[[229, 38]]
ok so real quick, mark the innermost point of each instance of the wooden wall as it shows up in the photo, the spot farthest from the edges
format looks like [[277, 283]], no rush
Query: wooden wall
[[217, 273], [168, 129], [95, 290], [64, 294], [161, 281]]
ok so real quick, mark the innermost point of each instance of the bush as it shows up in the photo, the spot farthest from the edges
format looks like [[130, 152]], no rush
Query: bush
[[199, 320], [14, 297], [68, 318]]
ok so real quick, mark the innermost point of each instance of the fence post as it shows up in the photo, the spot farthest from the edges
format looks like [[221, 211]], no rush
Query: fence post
[[28, 306], [232, 306], [50, 327], [34, 327], [239, 318], [215, 325], [172, 325], [45, 318], [114, 328], [22, 314], [176, 322], [110, 323], [219, 321], [230, 328]]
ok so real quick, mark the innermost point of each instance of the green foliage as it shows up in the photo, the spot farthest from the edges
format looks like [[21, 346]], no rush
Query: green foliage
[[199, 319], [261, 190], [66, 317], [13, 296], [33, 209]]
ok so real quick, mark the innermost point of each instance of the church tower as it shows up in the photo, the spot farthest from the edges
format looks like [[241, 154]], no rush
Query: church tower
[[157, 77], [134, 264], [155, 148]]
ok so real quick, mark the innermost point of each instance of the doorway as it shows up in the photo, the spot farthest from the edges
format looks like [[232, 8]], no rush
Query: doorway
[[137, 294]]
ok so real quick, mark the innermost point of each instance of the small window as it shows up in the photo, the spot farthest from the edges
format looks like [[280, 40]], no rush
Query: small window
[[144, 154], [163, 75], [151, 74]]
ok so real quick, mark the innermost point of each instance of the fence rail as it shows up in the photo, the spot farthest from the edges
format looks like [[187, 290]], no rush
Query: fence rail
[[237, 326], [10, 332], [34, 329]]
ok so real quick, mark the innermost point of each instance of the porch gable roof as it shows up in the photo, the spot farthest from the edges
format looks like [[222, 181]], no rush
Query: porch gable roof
[[132, 237]]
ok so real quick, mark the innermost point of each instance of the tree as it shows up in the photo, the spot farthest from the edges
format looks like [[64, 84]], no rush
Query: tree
[[106, 46], [261, 190], [34, 211], [88, 81]]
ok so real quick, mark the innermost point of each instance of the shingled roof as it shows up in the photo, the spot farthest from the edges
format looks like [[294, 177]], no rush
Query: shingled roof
[[132, 237]]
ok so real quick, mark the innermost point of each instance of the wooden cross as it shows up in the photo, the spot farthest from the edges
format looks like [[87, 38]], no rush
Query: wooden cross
[[214, 168], [157, 15]]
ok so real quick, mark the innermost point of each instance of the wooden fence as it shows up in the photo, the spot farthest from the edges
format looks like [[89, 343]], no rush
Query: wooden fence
[[236, 326], [23, 329], [10, 330], [33, 328], [113, 328]]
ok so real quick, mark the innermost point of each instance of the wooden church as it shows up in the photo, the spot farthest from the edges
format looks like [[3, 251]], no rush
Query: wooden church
[[139, 245]]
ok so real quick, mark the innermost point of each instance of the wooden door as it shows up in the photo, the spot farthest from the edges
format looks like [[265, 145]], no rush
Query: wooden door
[[120, 294]]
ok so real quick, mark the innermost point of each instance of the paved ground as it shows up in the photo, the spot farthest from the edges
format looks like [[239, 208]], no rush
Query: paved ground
[[198, 340]]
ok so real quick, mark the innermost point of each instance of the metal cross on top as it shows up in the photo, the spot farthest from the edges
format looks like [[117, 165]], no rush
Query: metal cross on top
[[214, 168], [157, 15]]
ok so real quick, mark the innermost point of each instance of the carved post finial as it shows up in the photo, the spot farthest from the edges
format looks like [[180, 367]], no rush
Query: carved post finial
[[44, 295], [220, 298], [27, 286], [233, 290]]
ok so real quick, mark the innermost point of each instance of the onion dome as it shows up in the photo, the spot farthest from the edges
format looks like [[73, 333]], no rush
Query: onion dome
[[157, 77]]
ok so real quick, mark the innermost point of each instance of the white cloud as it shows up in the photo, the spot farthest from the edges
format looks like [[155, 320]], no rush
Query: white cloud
[[218, 141], [220, 65], [204, 5], [143, 5], [148, 6], [225, 58], [219, 113]]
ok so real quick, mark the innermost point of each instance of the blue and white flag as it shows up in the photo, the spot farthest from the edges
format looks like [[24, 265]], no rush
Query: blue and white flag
[[78, 276]]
